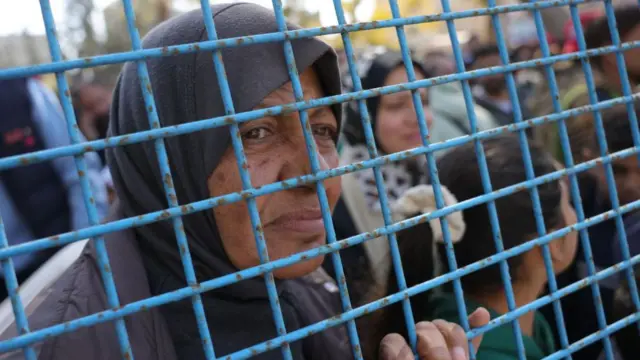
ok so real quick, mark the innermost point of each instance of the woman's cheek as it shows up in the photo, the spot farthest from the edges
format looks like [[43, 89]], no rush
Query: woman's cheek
[[262, 171]]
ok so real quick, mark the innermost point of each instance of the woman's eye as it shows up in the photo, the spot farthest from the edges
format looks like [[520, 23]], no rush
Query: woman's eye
[[324, 131], [257, 133]]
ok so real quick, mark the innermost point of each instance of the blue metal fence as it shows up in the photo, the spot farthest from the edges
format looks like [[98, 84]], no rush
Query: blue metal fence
[[27, 338]]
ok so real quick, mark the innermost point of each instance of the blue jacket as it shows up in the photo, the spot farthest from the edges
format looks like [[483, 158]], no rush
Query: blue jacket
[[49, 118]]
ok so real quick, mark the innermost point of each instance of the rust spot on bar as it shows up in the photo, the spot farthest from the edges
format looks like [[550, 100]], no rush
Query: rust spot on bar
[[81, 173], [221, 201], [123, 140], [168, 181]]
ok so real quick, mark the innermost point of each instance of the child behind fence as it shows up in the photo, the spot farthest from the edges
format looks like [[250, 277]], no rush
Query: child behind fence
[[473, 241]]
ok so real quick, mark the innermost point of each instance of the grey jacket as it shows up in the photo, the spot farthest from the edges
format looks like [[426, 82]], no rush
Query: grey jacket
[[80, 292]]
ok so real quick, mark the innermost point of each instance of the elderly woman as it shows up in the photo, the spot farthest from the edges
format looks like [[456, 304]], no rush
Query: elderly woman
[[146, 260]]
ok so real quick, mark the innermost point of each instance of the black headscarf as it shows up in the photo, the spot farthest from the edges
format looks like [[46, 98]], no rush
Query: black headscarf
[[185, 89], [399, 176]]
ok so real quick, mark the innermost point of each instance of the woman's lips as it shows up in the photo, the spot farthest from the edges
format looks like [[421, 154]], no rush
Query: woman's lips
[[306, 221]]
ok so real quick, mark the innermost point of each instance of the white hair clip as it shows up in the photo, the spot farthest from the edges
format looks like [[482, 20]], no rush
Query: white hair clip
[[421, 199]]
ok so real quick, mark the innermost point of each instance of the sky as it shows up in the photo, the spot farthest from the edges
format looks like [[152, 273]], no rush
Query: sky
[[18, 16]]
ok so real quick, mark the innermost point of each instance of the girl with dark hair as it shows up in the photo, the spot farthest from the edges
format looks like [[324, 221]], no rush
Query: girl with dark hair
[[459, 172]]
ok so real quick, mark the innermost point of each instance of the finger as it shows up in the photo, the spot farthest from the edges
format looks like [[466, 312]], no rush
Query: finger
[[431, 342], [394, 347], [477, 319], [456, 339]]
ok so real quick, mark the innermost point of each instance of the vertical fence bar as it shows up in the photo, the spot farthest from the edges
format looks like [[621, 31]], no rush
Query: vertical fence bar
[[529, 172], [633, 124], [236, 140], [170, 194], [431, 163], [81, 167], [602, 142], [320, 190], [562, 128], [22, 325], [486, 184], [380, 185]]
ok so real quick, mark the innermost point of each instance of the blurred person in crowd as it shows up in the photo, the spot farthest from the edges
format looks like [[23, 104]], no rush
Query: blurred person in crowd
[[395, 128], [605, 72], [491, 91], [470, 47], [91, 102], [221, 241], [529, 80], [567, 74], [579, 308], [422, 248], [448, 105], [626, 339], [439, 63], [45, 198]]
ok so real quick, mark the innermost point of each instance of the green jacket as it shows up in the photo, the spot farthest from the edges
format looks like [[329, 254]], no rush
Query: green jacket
[[499, 343]]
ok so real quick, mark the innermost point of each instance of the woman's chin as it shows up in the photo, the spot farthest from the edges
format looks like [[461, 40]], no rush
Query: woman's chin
[[299, 269]]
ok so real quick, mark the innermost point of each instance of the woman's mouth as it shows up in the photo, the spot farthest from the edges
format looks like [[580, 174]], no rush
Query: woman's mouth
[[304, 221]]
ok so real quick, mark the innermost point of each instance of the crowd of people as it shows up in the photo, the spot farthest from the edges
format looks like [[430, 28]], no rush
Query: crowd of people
[[45, 199]]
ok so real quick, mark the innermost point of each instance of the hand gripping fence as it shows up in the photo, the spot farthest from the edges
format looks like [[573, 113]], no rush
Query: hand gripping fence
[[27, 338]]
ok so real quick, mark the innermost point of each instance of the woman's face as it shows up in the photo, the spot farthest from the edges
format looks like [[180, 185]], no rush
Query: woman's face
[[397, 123], [276, 151]]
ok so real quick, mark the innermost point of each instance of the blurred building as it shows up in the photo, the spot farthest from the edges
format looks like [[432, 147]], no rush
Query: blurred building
[[23, 49]]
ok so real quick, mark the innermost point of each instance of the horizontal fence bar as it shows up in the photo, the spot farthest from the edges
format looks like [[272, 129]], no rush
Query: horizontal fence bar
[[146, 54], [169, 213], [146, 304], [186, 128]]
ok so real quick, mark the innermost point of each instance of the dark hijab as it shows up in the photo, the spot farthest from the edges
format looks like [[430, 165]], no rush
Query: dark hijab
[[185, 89]]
